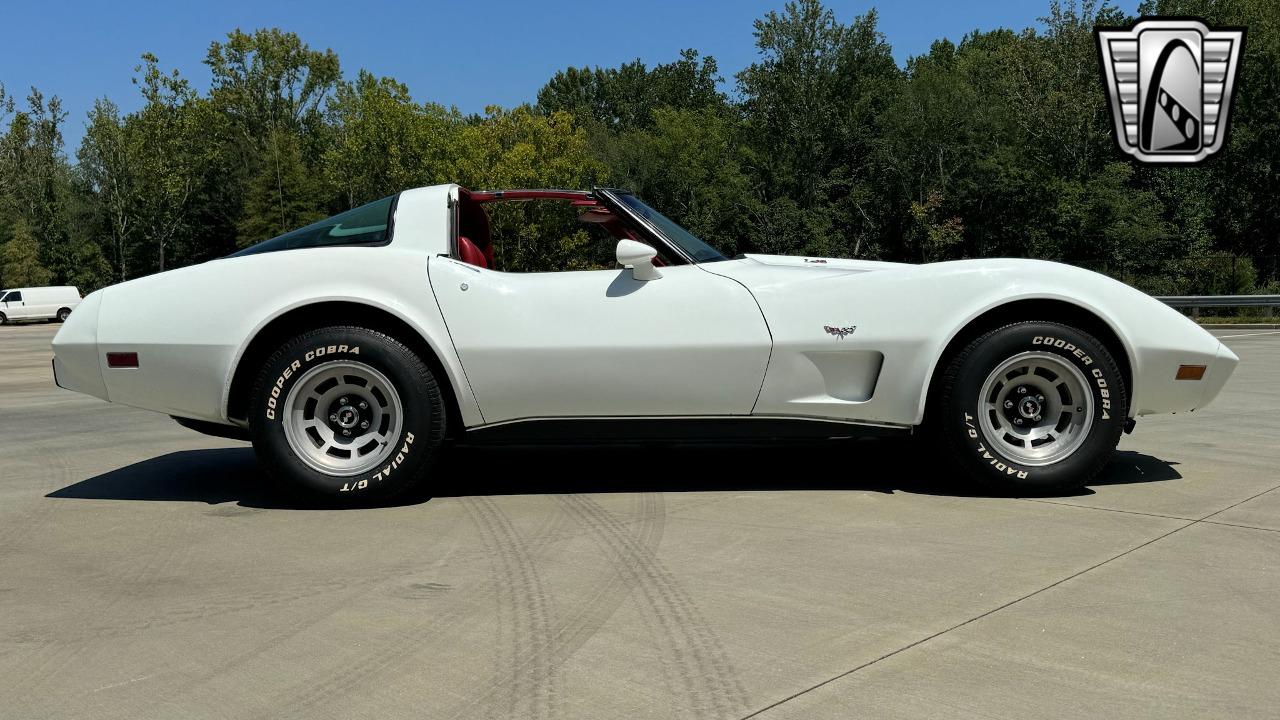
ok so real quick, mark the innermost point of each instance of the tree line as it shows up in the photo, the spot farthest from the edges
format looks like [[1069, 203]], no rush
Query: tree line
[[998, 145]]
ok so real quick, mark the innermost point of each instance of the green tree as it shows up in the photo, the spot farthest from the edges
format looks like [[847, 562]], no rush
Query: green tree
[[109, 157], [521, 148], [689, 164], [383, 142], [624, 98], [166, 169], [264, 85], [20, 259], [813, 105], [271, 81], [283, 196], [39, 182]]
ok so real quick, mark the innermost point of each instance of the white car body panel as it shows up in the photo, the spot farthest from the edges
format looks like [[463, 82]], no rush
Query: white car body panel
[[909, 313], [190, 342], [737, 338], [600, 342]]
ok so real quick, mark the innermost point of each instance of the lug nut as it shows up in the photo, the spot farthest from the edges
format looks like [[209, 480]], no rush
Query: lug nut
[[347, 432], [1036, 418], [333, 417], [364, 425], [1022, 390], [342, 400], [1039, 398], [1008, 404], [1017, 421], [364, 405]]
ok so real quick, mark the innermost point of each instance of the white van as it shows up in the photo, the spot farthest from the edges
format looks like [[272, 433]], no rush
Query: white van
[[37, 303]]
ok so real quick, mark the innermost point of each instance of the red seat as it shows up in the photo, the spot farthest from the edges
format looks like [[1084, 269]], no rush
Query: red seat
[[471, 254]]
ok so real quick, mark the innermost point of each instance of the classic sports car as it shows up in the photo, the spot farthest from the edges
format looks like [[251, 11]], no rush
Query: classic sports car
[[350, 350]]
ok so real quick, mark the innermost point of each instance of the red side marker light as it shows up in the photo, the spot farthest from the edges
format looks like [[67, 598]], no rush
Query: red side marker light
[[122, 359], [1190, 372]]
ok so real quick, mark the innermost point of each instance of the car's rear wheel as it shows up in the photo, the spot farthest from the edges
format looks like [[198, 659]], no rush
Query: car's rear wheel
[[63, 314], [1031, 407], [347, 413], [4, 319]]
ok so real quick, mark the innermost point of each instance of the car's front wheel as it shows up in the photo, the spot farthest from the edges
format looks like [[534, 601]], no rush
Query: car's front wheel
[[1032, 407], [347, 413]]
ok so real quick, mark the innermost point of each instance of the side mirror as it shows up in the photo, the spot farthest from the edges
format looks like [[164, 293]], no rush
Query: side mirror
[[639, 257]]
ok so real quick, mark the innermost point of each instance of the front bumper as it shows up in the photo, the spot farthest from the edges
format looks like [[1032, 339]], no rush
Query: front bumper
[[1220, 369]]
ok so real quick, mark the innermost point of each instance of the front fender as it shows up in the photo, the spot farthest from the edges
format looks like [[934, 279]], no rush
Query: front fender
[[1156, 339], [905, 317]]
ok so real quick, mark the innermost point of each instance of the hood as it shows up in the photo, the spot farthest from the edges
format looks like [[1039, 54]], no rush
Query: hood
[[760, 271]]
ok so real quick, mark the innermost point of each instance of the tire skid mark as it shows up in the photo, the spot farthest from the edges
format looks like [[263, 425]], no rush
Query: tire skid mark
[[215, 603], [610, 595], [587, 618], [357, 670], [212, 605], [343, 595], [525, 610], [702, 667], [152, 565]]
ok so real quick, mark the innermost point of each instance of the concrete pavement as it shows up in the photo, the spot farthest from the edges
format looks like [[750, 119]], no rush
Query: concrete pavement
[[145, 572]]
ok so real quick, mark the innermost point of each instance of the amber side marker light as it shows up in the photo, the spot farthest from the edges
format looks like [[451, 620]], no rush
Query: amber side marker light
[[126, 360], [1190, 372]]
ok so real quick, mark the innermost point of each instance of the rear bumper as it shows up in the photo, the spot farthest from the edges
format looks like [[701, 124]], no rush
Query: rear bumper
[[75, 351]]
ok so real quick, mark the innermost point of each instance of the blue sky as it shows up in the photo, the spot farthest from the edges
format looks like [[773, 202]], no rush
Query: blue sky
[[468, 54]]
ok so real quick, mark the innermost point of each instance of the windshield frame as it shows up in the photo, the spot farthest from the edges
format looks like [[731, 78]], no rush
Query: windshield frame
[[613, 198]]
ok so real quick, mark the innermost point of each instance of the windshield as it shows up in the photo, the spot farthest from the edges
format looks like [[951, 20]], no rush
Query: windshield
[[693, 246], [365, 225]]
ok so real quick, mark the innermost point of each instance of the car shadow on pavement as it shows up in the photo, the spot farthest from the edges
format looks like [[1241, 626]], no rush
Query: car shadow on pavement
[[878, 465]]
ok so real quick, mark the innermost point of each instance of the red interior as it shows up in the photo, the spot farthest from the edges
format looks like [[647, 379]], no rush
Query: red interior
[[475, 240], [470, 253]]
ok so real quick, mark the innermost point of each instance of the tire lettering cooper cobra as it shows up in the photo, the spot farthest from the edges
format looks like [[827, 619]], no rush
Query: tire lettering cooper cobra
[[278, 386], [321, 352], [1096, 373]]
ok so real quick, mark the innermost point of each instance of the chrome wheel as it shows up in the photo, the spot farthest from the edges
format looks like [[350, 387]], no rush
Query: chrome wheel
[[342, 418], [1036, 408]]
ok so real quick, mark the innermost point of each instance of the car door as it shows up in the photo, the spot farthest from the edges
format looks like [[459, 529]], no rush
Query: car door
[[600, 343], [15, 308]]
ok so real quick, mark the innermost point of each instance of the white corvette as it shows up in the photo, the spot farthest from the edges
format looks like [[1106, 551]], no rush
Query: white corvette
[[348, 351]]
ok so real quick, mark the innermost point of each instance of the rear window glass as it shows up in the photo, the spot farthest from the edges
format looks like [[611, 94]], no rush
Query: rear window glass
[[366, 225]]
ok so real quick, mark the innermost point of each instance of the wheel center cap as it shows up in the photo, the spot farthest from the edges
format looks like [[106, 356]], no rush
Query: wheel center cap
[[1029, 408], [348, 417]]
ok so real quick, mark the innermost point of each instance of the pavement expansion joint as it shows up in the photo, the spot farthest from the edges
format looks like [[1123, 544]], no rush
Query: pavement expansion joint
[[1050, 586]]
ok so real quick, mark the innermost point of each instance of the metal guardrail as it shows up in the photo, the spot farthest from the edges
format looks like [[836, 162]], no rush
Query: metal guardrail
[[1195, 302]]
